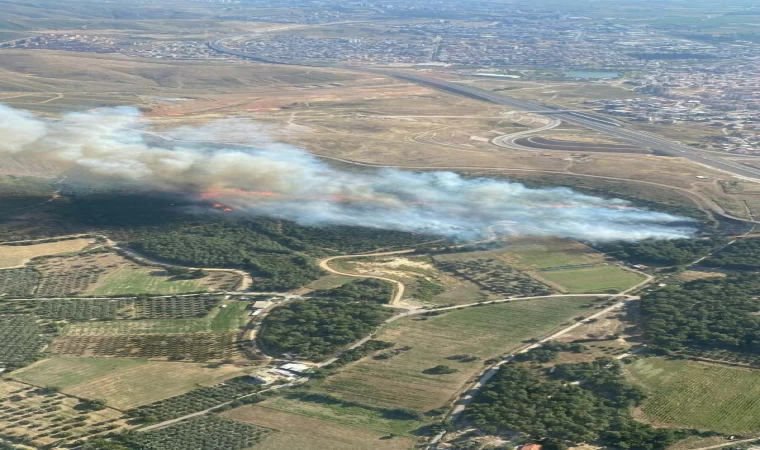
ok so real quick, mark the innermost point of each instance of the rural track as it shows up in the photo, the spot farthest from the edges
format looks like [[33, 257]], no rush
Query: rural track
[[469, 394], [399, 288], [730, 444], [166, 423]]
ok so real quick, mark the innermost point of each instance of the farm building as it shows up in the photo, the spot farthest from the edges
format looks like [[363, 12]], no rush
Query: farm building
[[261, 304], [298, 369]]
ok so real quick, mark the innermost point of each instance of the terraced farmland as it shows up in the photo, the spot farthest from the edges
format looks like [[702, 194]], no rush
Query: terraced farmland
[[700, 395]]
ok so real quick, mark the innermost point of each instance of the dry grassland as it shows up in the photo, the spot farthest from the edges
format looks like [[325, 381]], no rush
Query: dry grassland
[[18, 255], [123, 383], [308, 433], [346, 115], [484, 332]]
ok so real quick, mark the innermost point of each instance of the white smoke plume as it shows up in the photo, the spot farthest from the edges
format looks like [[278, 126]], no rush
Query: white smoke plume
[[280, 181]]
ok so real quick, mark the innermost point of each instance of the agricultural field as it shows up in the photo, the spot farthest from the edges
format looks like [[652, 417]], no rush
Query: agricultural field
[[18, 255], [124, 383], [197, 347], [345, 413], [42, 416], [229, 318], [21, 339], [18, 282], [461, 339], [199, 399], [85, 309], [295, 430], [110, 274], [495, 277], [207, 433], [598, 279], [698, 395], [543, 253]]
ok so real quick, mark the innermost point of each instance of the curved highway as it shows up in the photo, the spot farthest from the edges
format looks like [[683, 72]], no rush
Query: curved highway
[[608, 127], [658, 143]]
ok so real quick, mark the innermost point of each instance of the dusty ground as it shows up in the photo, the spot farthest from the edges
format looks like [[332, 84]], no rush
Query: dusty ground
[[123, 383], [18, 255], [296, 431], [351, 116]]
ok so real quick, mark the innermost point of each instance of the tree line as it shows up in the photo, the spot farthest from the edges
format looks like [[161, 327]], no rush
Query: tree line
[[569, 405], [712, 313], [316, 328]]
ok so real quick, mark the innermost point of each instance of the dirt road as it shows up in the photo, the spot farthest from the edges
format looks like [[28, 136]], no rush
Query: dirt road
[[398, 291]]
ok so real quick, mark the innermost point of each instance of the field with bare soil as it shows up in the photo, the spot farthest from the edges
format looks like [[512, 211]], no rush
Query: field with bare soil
[[303, 431], [18, 255], [123, 383]]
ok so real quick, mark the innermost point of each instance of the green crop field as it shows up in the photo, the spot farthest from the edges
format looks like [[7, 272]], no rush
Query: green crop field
[[231, 317], [549, 252], [123, 282], [483, 332], [699, 395], [593, 279], [123, 382]]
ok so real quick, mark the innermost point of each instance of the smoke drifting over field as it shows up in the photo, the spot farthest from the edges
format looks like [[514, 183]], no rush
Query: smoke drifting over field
[[281, 181]]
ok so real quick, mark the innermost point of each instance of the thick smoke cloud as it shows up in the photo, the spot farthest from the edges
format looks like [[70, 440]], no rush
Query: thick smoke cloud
[[281, 181]]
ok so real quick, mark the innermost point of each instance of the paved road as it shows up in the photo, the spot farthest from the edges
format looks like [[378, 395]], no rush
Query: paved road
[[608, 127], [508, 140]]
